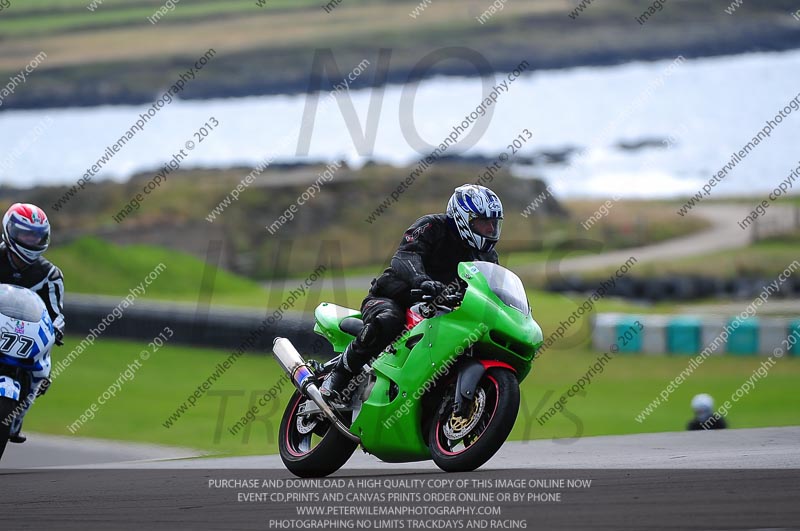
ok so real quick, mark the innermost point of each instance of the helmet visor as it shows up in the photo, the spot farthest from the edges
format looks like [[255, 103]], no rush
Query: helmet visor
[[488, 228], [33, 238]]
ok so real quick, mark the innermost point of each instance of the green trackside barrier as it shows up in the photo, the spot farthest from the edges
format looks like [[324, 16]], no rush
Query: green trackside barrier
[[794, 329], [684, 335], [743, 341], [629, 338]]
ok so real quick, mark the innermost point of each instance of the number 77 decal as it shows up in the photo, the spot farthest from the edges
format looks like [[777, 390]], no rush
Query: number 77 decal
[[9, 339]]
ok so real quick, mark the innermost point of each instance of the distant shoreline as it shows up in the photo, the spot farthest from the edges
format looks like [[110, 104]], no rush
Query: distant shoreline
[[777, 40]]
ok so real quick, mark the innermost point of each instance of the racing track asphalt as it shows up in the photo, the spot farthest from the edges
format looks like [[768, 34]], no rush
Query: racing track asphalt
[[731, 479]]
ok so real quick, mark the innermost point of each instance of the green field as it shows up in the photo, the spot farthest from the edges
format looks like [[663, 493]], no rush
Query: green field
[[609, 406]]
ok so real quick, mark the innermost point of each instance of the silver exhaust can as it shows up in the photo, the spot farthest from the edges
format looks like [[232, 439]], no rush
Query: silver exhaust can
[[301, 375]]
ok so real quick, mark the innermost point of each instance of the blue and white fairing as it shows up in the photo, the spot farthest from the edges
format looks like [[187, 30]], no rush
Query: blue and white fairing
[[26, 338]]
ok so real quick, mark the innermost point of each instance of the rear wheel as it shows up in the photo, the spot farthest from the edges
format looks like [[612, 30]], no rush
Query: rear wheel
[[461, 444], [311, 447], [7, 407]]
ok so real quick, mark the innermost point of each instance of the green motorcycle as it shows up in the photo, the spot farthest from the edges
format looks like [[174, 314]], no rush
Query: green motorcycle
[[447, 389]]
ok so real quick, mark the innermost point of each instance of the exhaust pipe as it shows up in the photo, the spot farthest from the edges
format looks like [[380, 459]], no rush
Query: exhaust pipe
[[300, 374]]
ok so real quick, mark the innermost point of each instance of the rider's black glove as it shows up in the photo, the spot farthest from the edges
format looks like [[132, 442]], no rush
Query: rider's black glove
[[433, 288], [59, 336], [43, 387]]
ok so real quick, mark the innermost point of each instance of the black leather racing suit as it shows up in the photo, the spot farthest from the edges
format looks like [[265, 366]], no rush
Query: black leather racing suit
[[41, 277], [431, 249]]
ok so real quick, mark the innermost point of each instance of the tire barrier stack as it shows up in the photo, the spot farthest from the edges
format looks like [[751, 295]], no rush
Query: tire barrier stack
[[678, 335], [224, 328], [676, 287]]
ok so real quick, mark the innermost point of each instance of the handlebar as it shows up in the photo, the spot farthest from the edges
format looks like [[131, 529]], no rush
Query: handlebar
[[448, 300]]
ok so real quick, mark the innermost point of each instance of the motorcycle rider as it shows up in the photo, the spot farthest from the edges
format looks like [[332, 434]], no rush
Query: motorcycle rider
[[26, 236], [427, 259], [704, 416]]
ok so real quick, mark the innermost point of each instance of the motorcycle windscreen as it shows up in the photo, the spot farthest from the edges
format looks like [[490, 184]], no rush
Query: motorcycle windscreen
[[506, 285], [20, 303]]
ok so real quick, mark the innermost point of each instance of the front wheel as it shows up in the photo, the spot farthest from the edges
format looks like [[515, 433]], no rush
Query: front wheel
[[311, 447], [461, 444], [7, 407]]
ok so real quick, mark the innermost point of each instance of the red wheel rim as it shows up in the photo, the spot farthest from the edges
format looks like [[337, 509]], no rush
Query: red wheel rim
[[295, 439], [482, 425]]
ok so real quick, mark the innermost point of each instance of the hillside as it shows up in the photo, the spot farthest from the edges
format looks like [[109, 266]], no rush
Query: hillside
[[177, 215], [91, 265], [335, 226]]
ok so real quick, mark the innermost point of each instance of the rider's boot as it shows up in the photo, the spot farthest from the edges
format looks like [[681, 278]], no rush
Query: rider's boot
[[16, 431], [335, 384]]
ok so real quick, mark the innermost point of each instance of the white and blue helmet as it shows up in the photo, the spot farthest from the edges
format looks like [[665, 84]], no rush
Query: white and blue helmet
[[478, 215], [703, 406]]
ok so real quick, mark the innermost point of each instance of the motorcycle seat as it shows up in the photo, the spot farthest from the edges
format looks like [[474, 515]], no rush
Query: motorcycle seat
[[351, 325]]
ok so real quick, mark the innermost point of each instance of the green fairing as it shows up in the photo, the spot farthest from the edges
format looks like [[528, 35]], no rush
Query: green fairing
[[327, 317], [391, 430]]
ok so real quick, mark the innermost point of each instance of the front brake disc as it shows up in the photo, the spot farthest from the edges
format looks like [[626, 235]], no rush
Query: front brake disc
[[458, 427]]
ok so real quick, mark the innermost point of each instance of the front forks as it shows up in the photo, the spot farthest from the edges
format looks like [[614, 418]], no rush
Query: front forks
[[468, 377]]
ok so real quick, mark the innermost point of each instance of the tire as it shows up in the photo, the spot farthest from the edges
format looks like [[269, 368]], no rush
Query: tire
[[7, 407], [329, 454], [495, 419]]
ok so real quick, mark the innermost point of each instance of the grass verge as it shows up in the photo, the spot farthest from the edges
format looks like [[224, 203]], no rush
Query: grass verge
[[609, 406]]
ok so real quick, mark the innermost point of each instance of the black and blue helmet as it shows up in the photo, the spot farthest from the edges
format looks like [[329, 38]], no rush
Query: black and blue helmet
[[478, 215]]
